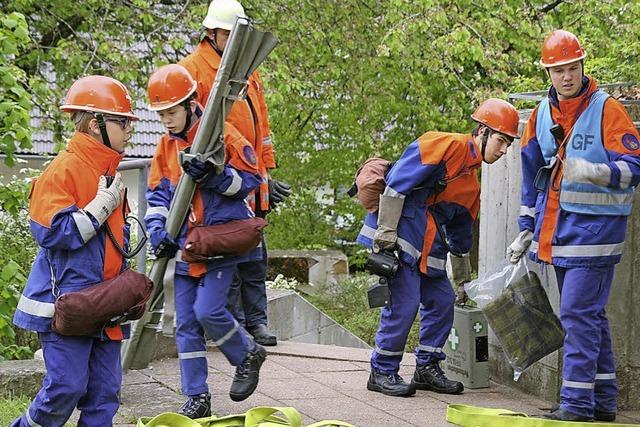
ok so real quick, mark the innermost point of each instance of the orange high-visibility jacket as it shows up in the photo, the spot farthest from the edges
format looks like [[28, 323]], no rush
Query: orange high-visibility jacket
[[75, 252], [248, 118]]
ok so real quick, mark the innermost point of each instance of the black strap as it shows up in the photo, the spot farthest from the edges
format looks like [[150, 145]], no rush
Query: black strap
[[353, 190], [142, 241], [103, 129]]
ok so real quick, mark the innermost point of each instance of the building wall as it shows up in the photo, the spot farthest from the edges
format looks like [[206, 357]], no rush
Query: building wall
[[500, 206]]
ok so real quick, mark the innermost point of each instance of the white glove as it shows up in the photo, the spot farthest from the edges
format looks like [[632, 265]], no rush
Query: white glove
[[577, 169], [519, 246], [386, 236], [107, 198]]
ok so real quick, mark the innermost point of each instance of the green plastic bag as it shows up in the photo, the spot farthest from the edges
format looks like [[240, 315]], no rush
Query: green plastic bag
[[517, 308], [261, 416]]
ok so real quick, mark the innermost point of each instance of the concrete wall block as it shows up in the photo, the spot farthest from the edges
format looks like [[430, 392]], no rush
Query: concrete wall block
[[314, 269], [335, 333], [293, 318], [540, 379], [21, 377], [629, 385], [279, 311]]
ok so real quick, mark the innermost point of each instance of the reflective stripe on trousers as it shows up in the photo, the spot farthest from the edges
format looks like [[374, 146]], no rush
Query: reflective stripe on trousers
[[409, 289], [200, 308], [95, 368], [589, 367]]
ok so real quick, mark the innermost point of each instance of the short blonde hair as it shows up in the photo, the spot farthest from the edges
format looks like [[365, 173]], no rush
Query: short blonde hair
[[81, 120]]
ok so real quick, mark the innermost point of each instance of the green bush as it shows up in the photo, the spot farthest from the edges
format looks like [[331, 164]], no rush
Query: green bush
[[17, 251], [348, 306]]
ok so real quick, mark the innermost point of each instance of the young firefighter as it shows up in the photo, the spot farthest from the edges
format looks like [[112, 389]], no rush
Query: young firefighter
[[69, 206], [201, 288], [249, 117], [431, 189], [577, 191]]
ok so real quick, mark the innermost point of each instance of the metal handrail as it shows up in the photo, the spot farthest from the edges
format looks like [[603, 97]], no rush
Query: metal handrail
[[143, 166], [537, 96]]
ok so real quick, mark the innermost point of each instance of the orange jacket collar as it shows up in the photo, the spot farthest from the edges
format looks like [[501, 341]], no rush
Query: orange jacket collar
[[94, 153], [206, 51]]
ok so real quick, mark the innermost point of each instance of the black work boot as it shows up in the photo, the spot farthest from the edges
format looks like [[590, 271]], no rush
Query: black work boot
[[431, 377], [560, 414], [197, 406], [389, 384], [247, 374], [605, 416], [263, 336]]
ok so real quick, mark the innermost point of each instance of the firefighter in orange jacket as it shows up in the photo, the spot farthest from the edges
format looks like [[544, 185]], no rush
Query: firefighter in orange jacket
[[201, 288], [428, 208], [580, 167], [249, 118], [70, 205]]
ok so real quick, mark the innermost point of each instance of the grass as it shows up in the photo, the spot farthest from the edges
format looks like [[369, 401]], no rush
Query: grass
[[348, 306], [11, 408]]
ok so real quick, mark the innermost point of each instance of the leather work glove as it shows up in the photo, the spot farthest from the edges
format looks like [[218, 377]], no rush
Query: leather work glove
[[107, 198], [577, 169], [163, 245], [519, 246], [196, 168], [389, 211], [461, 274], [278, 191]]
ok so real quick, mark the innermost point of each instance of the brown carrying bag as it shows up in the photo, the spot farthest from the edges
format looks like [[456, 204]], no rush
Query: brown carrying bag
[[232, 238], [370, 182], [86, 312]]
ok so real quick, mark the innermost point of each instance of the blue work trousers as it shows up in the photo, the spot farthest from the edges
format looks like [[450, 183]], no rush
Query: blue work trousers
[[82, 372], [411, 290], [201, 308], [248, 293], [589, 374]]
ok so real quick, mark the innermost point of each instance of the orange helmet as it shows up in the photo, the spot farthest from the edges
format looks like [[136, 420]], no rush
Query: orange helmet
[[100, 94], [561, 47], [498, 115], [169, 85]]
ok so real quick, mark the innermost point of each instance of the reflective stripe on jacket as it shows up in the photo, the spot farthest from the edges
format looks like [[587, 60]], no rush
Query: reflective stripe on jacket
[[74, 251], [433, 157], [585, 142], [217, 200], [563, 237], [247, 119]]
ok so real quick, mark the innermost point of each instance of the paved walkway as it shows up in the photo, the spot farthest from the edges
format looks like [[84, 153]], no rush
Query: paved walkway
[[322, 382]]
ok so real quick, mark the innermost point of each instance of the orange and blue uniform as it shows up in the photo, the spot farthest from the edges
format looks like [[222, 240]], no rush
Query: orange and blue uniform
[[75, 253], [580, 228], [201, 288], [421, 281], [247, 119]]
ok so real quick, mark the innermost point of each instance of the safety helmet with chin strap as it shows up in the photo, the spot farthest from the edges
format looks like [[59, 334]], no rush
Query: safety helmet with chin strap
[[223, 14], [499, 116], [99, 95]]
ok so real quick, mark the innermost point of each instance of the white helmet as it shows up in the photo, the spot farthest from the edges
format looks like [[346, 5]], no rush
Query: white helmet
[[223, 14]]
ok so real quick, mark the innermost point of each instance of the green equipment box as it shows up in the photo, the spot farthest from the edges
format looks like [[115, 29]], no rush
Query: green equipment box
[[467, 348]]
